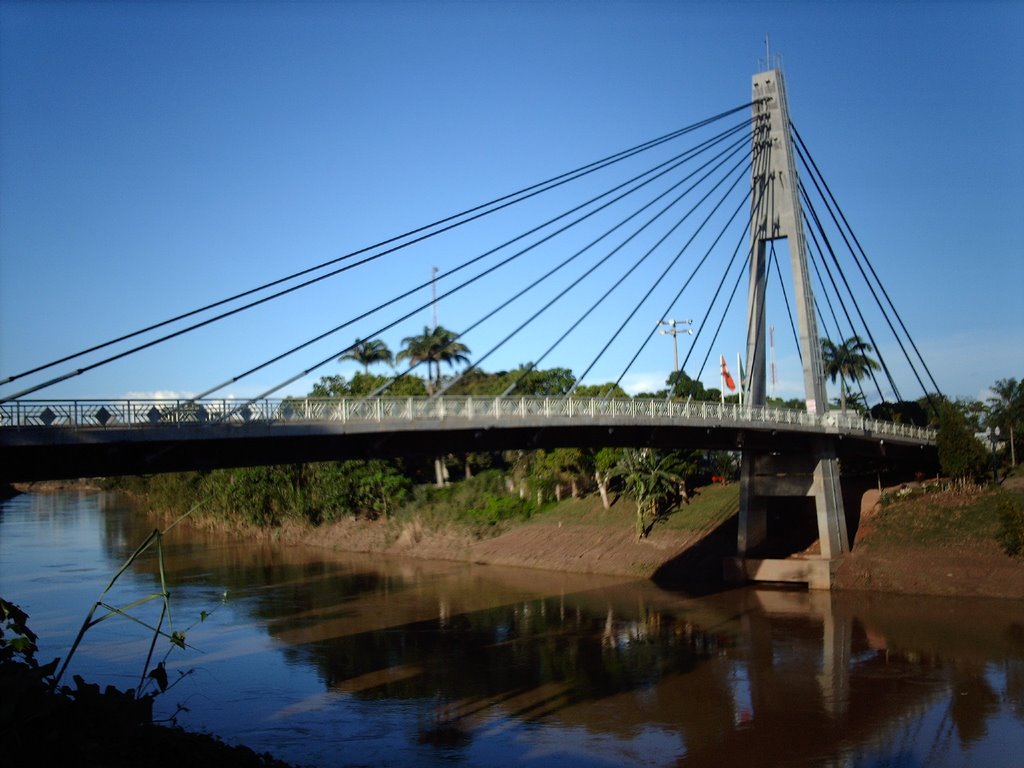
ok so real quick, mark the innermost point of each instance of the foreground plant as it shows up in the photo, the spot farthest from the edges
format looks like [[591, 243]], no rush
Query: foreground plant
[[102, 611], [31, 694]]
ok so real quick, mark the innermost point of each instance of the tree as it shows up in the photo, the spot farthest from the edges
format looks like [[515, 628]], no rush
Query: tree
[[330, 386], [653, 481], [434, 346], [363, 384], [607, 390], [605, 463], [549, 382], [478, 383], [855, 401], [685, 388], [900, 412], [368, 351], [561, 465], [848, 360], [961, 454], [1006, 410]]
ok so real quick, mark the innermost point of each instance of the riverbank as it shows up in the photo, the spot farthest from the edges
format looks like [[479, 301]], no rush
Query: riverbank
[[936, 543], [929, 543]]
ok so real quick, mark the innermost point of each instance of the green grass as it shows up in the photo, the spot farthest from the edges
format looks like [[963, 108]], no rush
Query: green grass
[[944, 519], [708, 507]]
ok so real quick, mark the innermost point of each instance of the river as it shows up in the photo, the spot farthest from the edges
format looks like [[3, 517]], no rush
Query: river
[[324, 659]]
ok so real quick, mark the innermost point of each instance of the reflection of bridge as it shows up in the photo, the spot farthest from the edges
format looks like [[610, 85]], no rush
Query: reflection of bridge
[[784, 453], [59, 439]]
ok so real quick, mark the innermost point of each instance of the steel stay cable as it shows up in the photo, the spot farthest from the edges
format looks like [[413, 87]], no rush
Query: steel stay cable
[[615, 285], [726, 153], [885, 315], [878, 351], [765, 209], [821, 283], [725, 312], [685, 285], [773, 258], [835, 287], [578, 281], [208, 321], [478, 276], [756, 202], [853, 299], [832, 280], [711, 142], [661, 277], [761, 158], [680, 292], [824, 291], [865, 257], [675, 162], [809, 206], [534, 190], [765, 193]]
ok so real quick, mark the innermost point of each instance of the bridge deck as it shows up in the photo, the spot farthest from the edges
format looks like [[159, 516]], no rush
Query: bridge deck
[[80, 438]]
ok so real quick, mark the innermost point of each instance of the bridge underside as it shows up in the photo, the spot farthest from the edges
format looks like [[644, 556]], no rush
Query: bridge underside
[[31, 454]]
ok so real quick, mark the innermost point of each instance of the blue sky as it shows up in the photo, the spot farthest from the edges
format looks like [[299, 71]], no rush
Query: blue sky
[[155, 157]]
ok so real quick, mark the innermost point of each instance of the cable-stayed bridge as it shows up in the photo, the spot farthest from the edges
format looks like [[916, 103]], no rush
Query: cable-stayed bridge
[[677, 223]]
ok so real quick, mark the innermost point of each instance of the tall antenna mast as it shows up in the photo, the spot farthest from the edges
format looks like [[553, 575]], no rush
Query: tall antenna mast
[[433, 292]]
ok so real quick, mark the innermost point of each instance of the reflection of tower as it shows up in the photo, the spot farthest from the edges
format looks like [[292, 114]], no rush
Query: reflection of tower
[[818, 676]]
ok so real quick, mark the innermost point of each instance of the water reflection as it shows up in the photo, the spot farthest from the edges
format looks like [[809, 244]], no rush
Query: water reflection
[[346, 660]]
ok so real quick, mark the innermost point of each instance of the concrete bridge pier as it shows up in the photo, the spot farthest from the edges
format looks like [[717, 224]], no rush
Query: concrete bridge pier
[[767, 477]]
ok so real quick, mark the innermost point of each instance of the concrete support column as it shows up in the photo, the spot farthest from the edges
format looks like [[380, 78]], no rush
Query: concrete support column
[[828, 503]]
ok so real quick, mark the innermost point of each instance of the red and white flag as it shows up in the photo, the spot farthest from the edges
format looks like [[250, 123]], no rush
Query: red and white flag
[[726, 378]]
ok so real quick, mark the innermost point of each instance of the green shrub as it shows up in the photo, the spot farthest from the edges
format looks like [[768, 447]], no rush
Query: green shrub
[[1011, 528], [961, 455], [498, 509]]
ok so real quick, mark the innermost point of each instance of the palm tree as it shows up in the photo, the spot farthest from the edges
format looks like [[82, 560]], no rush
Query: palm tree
[[434, 346], [368, 351], [848, 360], [653, 481], [1006, 409]]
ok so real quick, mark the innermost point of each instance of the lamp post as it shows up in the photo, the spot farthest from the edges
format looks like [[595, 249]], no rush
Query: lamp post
[[673, 331]]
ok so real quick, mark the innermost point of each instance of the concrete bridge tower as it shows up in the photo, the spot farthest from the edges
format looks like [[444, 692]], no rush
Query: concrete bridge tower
[[777, 215]]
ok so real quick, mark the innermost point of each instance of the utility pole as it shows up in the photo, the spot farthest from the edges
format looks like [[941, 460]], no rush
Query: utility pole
[[673, 331]]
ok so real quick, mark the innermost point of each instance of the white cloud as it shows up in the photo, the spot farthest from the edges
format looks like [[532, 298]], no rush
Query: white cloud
[[160, 394], [643, 382]]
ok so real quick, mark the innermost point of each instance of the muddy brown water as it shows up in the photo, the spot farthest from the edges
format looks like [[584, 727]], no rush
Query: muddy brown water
[[325, 659]]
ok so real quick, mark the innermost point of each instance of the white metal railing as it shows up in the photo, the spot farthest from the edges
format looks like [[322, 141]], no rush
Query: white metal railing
[[132, 414]]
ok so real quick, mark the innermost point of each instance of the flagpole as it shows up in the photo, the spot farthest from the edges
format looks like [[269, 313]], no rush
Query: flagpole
[[739, 372]]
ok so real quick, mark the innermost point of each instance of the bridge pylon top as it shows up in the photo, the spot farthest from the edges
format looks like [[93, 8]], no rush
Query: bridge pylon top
[[777, 214]]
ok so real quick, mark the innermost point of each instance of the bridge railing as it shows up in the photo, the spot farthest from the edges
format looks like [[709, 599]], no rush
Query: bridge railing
[[141, 414]]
